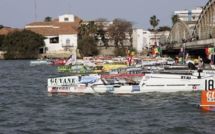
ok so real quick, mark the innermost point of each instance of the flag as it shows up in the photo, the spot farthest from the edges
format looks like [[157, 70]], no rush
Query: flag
[[71, 60], [156, 51], [209, 51]]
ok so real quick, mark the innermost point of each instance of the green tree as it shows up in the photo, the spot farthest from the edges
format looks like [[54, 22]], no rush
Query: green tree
[[87, 46], [119, 30], [154, 22], [88, 29], [48, 19], [22, 45], [175, 18], [1, 26], [1, 41], [164, 28]]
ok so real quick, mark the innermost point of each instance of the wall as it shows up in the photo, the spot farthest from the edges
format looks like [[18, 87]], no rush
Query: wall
[[71, 18], [141, 39], [54, 47]]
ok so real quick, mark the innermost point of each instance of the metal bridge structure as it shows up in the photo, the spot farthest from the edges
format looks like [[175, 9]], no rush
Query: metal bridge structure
[[197, 36]]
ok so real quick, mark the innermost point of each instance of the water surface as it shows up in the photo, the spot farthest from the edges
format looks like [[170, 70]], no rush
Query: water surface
[[26, 108]]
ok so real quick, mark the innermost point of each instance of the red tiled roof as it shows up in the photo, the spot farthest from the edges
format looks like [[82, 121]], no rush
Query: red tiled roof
[[7, 30], [54, 27]]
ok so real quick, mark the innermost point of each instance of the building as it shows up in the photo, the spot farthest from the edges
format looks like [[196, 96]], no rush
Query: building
[[190, 17], [157, 37], [141, 39], [61, 35], [7, 30]]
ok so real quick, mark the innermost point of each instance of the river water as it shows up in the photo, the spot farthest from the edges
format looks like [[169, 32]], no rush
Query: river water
[[26, 108]]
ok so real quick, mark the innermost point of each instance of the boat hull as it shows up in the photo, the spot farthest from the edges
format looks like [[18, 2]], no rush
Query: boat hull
[[148, 83]]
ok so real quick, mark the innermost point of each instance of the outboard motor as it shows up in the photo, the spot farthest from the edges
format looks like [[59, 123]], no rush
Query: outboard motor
[[199, 71]]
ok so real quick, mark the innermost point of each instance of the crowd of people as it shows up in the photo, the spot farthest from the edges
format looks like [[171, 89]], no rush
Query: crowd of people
[[192, 63]]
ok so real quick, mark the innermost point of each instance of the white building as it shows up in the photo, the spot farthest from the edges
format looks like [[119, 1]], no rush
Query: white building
[[155, 37], [61, 34], [189, 15], [141, 39]]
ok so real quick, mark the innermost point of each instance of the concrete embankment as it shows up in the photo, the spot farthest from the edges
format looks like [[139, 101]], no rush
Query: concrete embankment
[[2, 55]]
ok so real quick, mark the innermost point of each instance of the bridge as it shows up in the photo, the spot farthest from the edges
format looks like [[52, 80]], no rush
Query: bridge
[[193, 37]]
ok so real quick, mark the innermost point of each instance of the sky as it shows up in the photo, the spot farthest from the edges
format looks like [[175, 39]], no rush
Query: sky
[[18, 13]]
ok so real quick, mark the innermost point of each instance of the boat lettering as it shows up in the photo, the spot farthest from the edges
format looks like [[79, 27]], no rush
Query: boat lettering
[[109, 89], [185, 77], [209, 85], [210, 96], [62, 81], [60, 88]]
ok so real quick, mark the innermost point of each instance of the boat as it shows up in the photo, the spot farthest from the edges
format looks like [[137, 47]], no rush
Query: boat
[[40, 62], [95, 84], [131, 83], [58, 62], [80, 69], [175, 82]]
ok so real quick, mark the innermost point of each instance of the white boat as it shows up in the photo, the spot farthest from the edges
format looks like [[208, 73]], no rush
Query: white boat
[[39, 62], [94, 85], [133, 84], [175, 82]]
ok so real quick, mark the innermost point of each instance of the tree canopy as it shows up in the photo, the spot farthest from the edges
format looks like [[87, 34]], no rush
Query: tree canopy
[[175, 18], [48, 19], [1, 26], [118, 31], [22, 45], [164, 28], [87, 46], [154, 21]]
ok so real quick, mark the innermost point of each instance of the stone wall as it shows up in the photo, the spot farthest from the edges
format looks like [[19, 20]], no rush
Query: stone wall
[[106, 51]]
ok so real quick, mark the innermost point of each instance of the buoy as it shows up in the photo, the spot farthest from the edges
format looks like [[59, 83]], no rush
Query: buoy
[[208, 100]]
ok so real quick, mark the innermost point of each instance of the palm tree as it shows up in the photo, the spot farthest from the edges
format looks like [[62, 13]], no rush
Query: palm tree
[[175, 18], [154, 23]]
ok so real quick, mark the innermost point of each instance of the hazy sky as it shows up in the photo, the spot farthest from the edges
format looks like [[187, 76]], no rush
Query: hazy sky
[[18, 13]]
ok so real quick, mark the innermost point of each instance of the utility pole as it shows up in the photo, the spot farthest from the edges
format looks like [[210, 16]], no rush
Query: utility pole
[[35, 10]]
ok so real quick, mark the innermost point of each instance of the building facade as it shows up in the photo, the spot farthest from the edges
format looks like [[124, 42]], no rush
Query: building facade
[[61, 34], [143, 39], [190, 17]]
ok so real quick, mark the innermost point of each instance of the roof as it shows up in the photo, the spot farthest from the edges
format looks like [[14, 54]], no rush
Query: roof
[[7, 30], [54, 27]]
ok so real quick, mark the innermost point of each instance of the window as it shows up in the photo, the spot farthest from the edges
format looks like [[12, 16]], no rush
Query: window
[[67, 42], [54, 40], [66, 19]]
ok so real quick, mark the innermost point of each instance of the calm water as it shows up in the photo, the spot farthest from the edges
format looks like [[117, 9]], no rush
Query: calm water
[[26, 108]]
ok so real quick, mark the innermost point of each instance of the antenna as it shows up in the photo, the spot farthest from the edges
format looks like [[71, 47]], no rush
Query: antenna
[[69, 7], [35, 10]]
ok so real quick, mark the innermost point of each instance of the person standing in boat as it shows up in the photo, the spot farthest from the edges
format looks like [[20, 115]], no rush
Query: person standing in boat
[[176, 60], [200, 64]]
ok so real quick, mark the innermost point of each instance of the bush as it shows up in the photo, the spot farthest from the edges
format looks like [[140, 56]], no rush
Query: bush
[[87, 46], [22, 45]]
